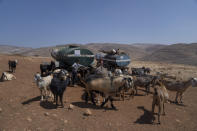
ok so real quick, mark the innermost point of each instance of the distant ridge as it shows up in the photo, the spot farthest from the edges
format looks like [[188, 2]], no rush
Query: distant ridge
[[7, 49], [176, 53]]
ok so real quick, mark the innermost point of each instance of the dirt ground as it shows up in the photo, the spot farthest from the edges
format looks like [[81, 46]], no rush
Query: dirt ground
[[20, 107]]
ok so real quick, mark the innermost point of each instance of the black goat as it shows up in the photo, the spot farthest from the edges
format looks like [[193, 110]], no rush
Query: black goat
[[46, 68], [144, 81], [59, 85], [140, 71], [12, 65]]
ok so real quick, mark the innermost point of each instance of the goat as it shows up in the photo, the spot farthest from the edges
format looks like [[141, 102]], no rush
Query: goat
[[160, 97], [59, 85], [129, 88], [123, 90], [109, 86], [140, 71], [43, 83], [144, 81], [7, 76], [12, 65], [179, 87], [46, 67]]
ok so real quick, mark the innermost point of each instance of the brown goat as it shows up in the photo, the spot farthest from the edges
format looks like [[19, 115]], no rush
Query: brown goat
[[160, 97]]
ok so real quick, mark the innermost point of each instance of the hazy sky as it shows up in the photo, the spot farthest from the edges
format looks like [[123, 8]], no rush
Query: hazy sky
[[38, 23]]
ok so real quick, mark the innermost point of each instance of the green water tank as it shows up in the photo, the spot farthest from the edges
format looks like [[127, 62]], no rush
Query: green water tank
[[68, 55]]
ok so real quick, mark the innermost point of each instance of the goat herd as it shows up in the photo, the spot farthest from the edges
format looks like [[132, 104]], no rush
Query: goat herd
[[102, 83]]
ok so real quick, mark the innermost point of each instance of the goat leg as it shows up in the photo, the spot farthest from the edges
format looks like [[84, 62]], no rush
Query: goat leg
[[163, 110], [56, 99], [136, 90], [41, 92], [132, 94], [92, 98], [176, 101], [181, 96], [104, 102], [159, 113], [153, 105], [86, 98], [61, 97], [111, 100]]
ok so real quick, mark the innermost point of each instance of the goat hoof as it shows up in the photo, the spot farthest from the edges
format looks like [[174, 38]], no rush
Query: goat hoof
[[113, 107], [102, 105]]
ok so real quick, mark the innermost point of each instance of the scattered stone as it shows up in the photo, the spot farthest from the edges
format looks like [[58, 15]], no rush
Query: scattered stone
[[87, 112], [29, 119], [178, 121], [17, 113], [177, 109], [71, 107], [55, 115], [1, 110], [38, 129], [46, 114], [65, 121], [66, 100]]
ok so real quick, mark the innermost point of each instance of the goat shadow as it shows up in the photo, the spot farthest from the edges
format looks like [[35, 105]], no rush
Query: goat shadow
[[88, 105], [91, 106], [48, 105], [37, 98], [139, 94], [178, 104], [145, 91], [146, 118]]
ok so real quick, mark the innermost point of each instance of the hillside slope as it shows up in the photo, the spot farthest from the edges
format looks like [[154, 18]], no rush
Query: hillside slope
[[7, 49], [177, 53]]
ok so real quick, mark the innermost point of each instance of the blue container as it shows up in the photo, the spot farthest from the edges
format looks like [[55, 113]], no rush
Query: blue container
[[121, 60]]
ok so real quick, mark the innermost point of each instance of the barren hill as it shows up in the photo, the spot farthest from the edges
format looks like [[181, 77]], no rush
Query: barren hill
[[7, 49], [177, 53], [149, 48], [133, 51]]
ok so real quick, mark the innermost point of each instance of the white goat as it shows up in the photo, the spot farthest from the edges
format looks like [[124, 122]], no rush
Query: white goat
[[43, 83], [7, 76]]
